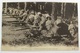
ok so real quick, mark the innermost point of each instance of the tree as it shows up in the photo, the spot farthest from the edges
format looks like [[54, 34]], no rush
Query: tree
[[18, 5], [5, 7], [52, 15], [25, 5]]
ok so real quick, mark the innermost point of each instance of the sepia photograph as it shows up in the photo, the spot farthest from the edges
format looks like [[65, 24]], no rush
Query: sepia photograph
[[39, 26]]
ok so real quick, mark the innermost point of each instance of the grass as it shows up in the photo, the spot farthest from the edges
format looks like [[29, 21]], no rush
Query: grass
[[17, 40]]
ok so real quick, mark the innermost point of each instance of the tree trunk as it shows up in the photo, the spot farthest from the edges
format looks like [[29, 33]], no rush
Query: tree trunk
[[62, 10], [52, 15], [25, 5], [6, 7], [74, 10], [18, 5]]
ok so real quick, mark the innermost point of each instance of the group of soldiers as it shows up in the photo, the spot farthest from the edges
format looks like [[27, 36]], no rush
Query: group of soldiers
[[45, 23]]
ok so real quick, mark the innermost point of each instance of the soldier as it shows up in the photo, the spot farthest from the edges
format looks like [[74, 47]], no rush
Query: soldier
[[71, 28], [31, 18], [58, 20], [42, 22], [63, 31], [14, 12], [37, 19], [11, 10], [21, 12], [17, 12], [24, 16], [46, 14], [48, 23]]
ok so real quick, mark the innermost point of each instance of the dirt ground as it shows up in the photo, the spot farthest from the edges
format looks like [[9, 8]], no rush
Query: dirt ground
[[43, 47]]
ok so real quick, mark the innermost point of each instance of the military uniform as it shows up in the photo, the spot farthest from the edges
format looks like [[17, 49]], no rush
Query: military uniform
[[48, 24]]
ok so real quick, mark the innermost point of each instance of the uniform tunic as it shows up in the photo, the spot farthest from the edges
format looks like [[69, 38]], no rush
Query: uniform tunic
[[58, 21], [48, 24], [31, 19], [71, 29]]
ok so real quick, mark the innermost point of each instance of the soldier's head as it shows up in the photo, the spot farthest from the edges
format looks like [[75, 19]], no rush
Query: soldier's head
[[38, 13], [48, 18], [32, 12], [45, 12], [71, 22]]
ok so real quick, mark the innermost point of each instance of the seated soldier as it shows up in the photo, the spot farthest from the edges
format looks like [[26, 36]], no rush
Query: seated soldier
[[13, 11], [24, 16], [42, 23], [10, 11], [59, 19], [31, 18], [46, 14], [37, 19], [71, 28], [71, 25], [63, 30], [75, 35], [48, 23], [20, 14], [17, 12]]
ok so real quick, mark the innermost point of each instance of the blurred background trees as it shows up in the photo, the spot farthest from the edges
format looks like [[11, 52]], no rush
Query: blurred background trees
[[65, 10]]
